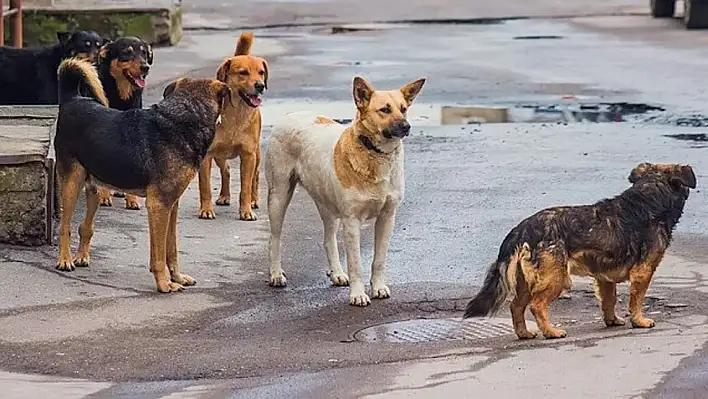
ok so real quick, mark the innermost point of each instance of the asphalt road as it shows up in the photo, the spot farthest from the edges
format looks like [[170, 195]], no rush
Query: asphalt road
[[466, 186]]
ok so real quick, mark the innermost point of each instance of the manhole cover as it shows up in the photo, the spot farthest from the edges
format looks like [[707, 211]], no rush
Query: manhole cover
[[429, 330]]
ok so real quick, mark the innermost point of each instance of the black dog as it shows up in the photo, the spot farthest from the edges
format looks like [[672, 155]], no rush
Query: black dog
[[28, 76], [123, 66], [153, 152]]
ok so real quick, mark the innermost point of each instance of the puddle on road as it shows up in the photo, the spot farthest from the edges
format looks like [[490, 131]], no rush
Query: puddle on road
[[427, 114], [696, 140], [538, 37], [567, 112], [693, 120]]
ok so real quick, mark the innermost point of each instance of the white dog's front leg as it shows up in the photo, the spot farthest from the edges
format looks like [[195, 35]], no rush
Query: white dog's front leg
[[352, 233], [336, 272], [382, 236]]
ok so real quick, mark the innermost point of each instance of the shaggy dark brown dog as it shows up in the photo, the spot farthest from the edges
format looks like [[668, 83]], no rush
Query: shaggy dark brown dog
[[615, 240]]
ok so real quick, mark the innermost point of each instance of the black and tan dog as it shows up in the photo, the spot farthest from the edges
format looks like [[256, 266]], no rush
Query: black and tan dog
[[615, 240], [28, 76], [154, 153], [123, 66]]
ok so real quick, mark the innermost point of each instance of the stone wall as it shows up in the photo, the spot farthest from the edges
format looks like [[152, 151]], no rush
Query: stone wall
[[25, 217], [158, 23], [26, 175]]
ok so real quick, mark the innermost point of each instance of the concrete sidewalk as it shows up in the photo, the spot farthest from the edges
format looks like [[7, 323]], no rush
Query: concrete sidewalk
[[217, 14]]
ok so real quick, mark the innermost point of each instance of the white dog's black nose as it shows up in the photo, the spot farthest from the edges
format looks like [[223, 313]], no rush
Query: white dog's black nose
[[400, 129]]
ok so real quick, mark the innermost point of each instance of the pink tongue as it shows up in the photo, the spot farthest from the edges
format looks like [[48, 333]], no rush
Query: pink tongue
[[255, 100], [140, 82]]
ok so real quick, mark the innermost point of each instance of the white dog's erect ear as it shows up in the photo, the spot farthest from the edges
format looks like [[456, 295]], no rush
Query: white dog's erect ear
[[410, 90], [362, 92]]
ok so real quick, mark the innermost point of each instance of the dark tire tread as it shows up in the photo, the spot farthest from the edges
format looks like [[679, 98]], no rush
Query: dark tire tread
[[663, 8]]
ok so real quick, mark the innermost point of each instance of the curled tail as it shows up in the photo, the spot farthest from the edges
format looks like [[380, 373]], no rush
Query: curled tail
[[245, 41], [500, 283], [74, 73]]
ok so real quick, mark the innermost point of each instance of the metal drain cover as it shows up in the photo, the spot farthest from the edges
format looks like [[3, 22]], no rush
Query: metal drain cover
[[431, 330]]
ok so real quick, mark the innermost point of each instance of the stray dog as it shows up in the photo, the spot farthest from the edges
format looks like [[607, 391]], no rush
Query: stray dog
[[615, 240], [352, 173], [28, 76], [153, 153], [240, 133], [123, 66]]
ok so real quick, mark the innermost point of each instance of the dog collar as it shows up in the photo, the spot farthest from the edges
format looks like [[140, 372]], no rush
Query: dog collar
[[366, 142]]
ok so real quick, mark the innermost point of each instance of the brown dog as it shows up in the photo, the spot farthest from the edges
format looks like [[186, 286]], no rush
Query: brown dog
[[154, 153], [614, 240], [240, 133]]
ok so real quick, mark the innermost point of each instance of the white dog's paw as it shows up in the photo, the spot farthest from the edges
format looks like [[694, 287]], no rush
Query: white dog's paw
[[359, 299], [340, 280], [278, 280], [380, 291]]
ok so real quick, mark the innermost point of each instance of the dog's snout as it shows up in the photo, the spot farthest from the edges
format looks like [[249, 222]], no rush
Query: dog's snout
[[401, 128], [144, 69], [259, 86]]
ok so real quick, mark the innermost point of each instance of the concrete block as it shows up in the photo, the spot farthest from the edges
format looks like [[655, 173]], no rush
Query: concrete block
[[26, 176], [458, 115]]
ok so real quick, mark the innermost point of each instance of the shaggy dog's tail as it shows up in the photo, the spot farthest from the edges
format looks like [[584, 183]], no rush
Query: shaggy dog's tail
[[75, 74], [501, 281]]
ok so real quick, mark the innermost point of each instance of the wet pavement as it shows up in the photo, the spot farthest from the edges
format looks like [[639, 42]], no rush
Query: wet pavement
[[103, 332]]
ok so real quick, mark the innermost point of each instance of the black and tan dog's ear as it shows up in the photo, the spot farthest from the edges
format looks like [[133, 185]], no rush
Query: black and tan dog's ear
[[684, 175], [64, 37], [362, 92], [265, 78], [639, 171], [412, 89], [104, 51], [150, 54], [170, 88], [223, 72]]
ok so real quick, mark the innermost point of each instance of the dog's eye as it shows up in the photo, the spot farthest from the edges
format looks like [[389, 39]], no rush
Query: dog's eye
[[403, 110], [88, 44], [244, 73], [385, 110], [261, 72]]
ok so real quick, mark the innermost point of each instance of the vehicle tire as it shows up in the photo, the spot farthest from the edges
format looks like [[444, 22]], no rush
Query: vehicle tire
[[695, 14], [663, 8]]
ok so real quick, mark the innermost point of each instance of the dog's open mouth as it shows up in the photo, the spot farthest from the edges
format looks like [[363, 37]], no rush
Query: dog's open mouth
[[254, 100], [138, 81]]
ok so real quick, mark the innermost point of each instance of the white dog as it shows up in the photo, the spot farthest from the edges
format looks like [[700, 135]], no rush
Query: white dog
[[353, 174]]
